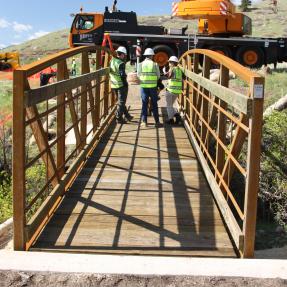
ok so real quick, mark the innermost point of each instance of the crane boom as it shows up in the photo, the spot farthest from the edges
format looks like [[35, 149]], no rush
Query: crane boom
[[215, 16]]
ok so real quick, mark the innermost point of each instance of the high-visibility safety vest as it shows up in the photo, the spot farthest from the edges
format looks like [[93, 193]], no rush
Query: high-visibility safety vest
[[148, 74], [115, 77], [175, 83]]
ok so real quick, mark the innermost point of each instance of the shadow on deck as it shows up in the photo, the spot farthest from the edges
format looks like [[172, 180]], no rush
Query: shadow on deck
[[141, 192]]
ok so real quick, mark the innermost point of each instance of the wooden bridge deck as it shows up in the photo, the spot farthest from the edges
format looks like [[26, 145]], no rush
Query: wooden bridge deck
[[141, 192]]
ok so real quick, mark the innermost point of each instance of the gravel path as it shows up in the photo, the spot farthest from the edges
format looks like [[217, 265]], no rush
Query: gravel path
[[15, 279]]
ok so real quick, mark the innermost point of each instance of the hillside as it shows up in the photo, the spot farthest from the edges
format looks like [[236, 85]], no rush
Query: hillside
[[265, 24]]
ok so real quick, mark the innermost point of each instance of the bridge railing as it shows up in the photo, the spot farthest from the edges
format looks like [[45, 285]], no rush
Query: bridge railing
[[55, 128], [224, 120]]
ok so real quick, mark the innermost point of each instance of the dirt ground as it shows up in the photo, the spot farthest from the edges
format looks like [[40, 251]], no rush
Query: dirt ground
[[15, 279]]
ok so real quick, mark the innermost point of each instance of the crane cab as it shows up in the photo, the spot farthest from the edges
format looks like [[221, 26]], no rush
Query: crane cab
[[87, 29]]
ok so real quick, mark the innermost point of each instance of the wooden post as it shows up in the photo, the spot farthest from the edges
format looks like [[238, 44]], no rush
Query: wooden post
[[61, 75], [98, 90], [106, 86], [84, 107], [86, 69], [253, 167], [183, 95], [206, 74], [220, 154], [19, 188], [194, 92]]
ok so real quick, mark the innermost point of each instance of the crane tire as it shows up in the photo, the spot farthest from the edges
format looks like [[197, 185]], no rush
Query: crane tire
[[252, 57], [162, 54]]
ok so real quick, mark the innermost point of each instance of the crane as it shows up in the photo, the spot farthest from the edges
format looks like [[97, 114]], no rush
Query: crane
[[215, 17]]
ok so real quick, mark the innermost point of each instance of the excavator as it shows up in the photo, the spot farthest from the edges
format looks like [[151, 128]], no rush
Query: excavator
[[220, 28], [9, 61], [215, 17]]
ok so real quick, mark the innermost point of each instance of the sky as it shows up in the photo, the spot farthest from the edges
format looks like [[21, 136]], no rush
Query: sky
[[22, 20]]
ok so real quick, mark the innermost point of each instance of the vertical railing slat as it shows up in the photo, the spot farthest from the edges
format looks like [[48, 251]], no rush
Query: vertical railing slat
[[205, 103], [84, 104], [106, 87], [220, 154], [98, 90], [61, 75]]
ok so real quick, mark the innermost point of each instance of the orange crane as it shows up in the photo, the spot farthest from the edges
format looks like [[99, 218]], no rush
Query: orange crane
[[220, 29], [215, 17]]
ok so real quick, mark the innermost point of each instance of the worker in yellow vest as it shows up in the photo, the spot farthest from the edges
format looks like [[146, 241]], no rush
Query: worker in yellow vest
[[149, 74], [174, 89], [119, 84]]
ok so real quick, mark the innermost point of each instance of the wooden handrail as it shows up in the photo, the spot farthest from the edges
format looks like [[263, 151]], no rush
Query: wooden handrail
[[31, 109], [219, 121], [240, 71], [46, 62]]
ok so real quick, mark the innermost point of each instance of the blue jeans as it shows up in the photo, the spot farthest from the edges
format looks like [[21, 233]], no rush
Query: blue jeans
[[147, 93], [122, 94]]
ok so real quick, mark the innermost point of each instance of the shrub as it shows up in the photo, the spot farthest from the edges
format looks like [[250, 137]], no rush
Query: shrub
[[5, 196], [273, 177]]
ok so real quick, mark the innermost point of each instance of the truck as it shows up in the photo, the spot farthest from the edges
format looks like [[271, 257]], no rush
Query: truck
[[220, 29]]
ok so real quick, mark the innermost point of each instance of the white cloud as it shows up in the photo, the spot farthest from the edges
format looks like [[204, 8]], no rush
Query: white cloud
[[38, 34], [4, 23], [18, 36], [2, 46], [18, 27]]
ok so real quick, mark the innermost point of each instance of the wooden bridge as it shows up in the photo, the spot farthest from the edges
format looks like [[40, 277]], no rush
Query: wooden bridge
[[102, 187]]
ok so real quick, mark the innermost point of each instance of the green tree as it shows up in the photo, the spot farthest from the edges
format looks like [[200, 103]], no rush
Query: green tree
[[245, 4]]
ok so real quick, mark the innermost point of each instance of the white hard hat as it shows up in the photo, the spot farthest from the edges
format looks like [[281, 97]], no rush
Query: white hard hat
[[149, 52], [122, 49], [173, 59]]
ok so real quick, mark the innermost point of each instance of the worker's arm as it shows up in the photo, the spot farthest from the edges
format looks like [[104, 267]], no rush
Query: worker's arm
[[123, 75], [139, 68], [170, 73]]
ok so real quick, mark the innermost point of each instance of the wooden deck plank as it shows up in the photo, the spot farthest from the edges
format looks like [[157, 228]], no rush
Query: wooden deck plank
[[142, 192]]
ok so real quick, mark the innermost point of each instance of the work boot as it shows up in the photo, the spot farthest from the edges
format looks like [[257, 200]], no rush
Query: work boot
[[129, 118], [121, 121], [158, 125], [170, 122], [177, 119]]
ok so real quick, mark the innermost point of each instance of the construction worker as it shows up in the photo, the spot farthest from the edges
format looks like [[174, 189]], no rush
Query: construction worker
[[74, 67], [174, 89], [119, 84], [149, 74]]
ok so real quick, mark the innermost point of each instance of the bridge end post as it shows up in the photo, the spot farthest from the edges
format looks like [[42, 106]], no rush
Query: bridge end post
[[253, 166], [18, 169]]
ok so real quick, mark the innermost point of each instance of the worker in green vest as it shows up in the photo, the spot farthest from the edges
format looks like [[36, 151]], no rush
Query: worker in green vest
[[174, 89], [119, 84], [74, 67], [149, 74]]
